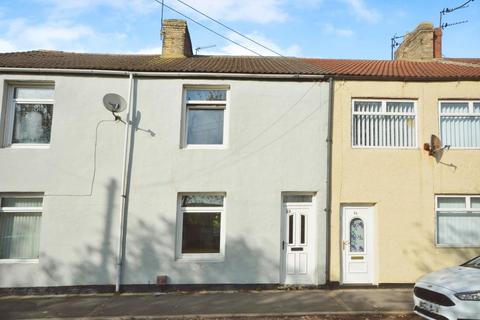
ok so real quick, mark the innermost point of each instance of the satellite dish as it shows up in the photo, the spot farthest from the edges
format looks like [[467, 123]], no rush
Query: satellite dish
[[435, 146], [114, 102], [435, 143]]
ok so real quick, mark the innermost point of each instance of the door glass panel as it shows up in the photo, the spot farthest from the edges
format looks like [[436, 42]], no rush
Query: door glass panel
[[297, 198], [357, 235], [290, 229], [302, 229]]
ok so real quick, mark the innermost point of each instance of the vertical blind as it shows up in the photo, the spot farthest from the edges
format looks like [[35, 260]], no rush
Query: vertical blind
[[460, 124], [384, 124], [458, 221], [460, 228], [20, 230]]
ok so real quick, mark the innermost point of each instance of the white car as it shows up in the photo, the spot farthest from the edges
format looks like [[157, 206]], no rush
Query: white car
[[450, 294]]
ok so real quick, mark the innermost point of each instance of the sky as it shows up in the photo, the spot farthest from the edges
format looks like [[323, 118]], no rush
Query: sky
[[350, 29]]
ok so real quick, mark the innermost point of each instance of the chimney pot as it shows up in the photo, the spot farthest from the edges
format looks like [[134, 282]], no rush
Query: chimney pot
[[176, 39]]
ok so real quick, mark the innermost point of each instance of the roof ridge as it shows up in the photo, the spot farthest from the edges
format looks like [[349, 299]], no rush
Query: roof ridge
[[460, 63]]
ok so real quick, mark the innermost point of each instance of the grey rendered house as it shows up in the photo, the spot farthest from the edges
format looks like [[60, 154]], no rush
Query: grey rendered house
[[226, 179]]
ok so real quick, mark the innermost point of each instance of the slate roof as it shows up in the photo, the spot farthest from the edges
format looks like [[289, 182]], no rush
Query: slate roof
[[443, 69]]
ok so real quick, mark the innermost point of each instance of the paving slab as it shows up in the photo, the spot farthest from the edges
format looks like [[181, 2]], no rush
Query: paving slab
[[212, 304]]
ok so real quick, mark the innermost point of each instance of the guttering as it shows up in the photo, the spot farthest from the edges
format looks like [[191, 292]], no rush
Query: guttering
[[165, 74], [328, 208], [123, 207]]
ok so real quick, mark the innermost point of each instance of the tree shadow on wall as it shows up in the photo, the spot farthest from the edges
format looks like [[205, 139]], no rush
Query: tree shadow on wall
[[150, 248], [152, 253]]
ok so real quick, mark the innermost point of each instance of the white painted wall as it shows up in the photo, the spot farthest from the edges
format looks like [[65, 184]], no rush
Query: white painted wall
[[277, 133]]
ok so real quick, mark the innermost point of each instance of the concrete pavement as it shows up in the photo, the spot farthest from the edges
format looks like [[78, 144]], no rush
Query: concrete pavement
[[208, 304]]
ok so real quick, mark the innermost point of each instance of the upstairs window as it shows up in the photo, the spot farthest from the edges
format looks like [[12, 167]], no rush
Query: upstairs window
[[205, 113], [29, 115], [460, 124], [458, 220], [20, 227], [384, 124]]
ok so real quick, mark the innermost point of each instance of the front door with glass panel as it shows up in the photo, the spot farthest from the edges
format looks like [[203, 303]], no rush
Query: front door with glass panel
[[298, 244], [358, 245]]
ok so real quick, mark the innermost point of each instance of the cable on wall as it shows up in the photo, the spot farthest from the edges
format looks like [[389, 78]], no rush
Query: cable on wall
[[94, 166]]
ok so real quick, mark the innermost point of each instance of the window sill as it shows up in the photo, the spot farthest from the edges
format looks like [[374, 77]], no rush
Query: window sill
[[385, 148], [201, 258], [204, 147], [456, 246], [18, 261], [28, 146]]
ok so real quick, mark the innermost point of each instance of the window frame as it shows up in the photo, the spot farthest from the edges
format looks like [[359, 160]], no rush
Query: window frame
[[384, 112], [468, 209], [9, 112], [206, 257], [21, 210], [470, 113], [205, 105]]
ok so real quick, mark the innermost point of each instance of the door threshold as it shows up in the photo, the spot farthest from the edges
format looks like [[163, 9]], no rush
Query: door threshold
[[301, 286]]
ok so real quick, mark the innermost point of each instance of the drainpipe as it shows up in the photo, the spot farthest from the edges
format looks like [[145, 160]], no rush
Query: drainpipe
[[328, 209], [123, 207]]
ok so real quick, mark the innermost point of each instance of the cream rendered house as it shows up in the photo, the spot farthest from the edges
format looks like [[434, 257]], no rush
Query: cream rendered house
[[399, 212]]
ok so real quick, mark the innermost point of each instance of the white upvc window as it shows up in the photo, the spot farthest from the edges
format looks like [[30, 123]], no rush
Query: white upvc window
[[201, 227], [205, 117], [378, 123], [460, 124], [20, 217], [458, 220], [29, 113]]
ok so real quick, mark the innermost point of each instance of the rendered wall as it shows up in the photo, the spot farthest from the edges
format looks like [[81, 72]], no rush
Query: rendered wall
[[277, 133], [401, 183]]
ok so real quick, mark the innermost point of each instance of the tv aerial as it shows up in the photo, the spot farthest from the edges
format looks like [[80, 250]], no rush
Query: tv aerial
[[114, 103], [395, 43], [206, 47], [446, 11]]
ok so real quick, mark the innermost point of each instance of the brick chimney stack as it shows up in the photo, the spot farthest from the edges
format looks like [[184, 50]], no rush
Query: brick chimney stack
[[424, 43], [437, 43], [176, 39]]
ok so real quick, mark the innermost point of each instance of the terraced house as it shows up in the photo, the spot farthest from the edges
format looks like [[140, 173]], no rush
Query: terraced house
[[222, 170], [406, 153]]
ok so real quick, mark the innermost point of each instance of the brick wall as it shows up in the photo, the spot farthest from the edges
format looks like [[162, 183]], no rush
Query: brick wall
[[418, 44], [176, 39]]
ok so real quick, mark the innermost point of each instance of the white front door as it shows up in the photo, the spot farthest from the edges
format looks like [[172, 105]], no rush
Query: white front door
[[298, 245], [358, 238]]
